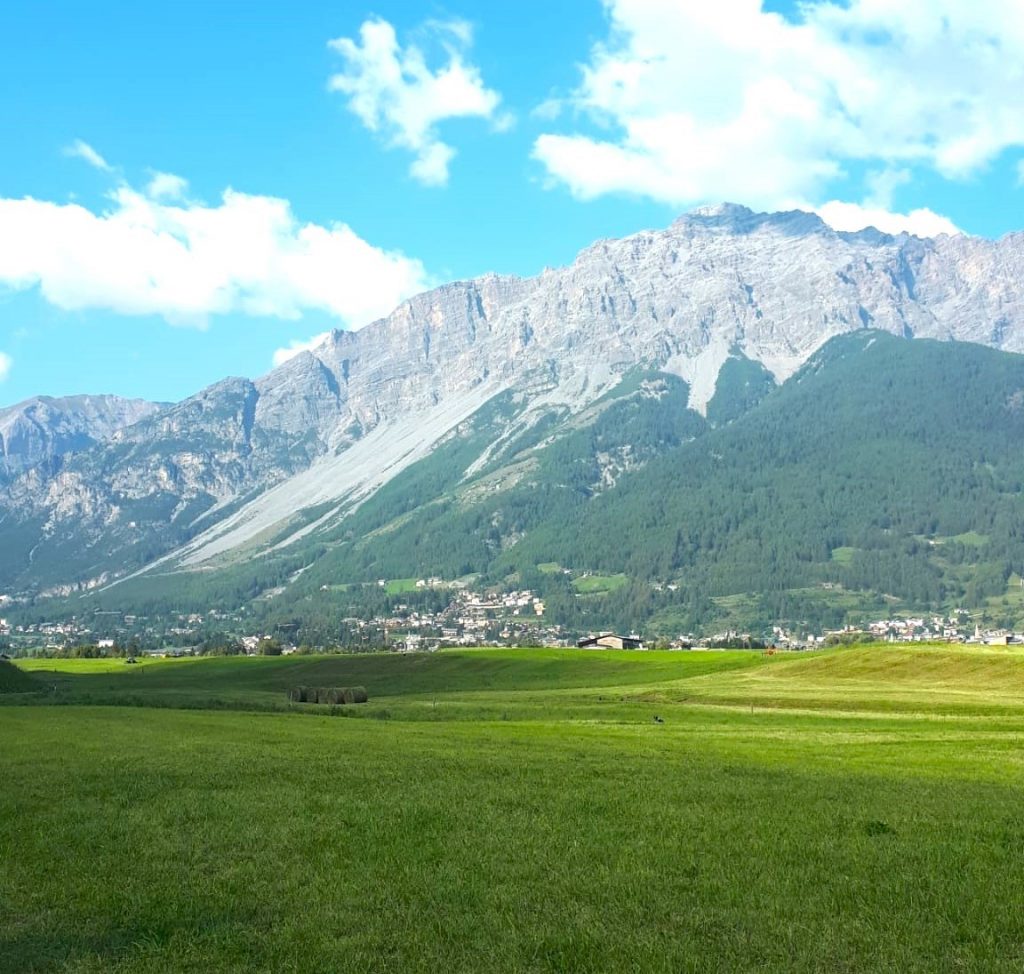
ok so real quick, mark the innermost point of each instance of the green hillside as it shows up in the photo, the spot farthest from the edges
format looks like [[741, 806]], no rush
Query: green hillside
[[889, 451], [391, 679], [533, 683], [879, 679]]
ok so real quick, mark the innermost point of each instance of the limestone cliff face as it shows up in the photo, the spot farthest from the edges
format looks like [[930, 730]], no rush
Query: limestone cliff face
[[45, 427], [208, 475], [774, 286]]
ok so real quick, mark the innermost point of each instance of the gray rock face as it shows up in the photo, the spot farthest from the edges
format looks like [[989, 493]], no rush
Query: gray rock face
[[775, 286], [236, 461], [45, 427]]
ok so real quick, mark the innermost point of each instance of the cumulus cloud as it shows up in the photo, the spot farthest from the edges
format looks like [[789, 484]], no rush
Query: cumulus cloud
[[396, 95], [855, 216], [185, 261], [698, 101], [877, 209], [5, 365], [82, 150], [166, 186], [297, 346]]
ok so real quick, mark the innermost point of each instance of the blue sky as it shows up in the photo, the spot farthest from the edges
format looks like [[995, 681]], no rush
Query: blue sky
[[439, 141]]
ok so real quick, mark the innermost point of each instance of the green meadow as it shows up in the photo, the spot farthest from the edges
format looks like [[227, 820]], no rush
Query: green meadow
[[596, 584], [517, 810]]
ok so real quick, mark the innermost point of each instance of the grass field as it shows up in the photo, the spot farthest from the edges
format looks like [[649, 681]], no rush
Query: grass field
[[599, 584], [844, 555], [494, 810], [400, 586]]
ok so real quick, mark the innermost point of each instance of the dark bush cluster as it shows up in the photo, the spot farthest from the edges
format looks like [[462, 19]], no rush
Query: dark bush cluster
[[330, 695]]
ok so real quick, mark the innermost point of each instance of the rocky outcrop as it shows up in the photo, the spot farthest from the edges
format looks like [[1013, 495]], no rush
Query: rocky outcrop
[[43, 428]]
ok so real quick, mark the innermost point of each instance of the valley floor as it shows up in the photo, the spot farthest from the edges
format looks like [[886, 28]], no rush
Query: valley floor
[[857, 810]]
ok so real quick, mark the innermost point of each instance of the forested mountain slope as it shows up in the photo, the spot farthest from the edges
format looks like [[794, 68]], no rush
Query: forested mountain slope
[[888, 468]]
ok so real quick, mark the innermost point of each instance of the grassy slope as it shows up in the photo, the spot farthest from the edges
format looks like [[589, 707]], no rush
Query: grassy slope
[[391, 679], [727, 838], [882, 678], [15, 680]]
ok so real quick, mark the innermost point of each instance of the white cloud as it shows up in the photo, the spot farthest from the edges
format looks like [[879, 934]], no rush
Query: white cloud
[[882, 186], [166, 186], [82, 150], [461, 30], [186, 261], [296, 347], [549, 109], [395, 94], [705, 101], [431, 165], [5, 365], [854, 216], [876, 210]]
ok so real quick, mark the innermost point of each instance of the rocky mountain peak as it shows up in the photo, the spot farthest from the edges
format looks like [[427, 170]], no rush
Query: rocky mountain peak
[[732, 218], [340, 421]]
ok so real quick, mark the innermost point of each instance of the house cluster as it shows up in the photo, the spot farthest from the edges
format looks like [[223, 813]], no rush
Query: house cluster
[[107, 630], [53, 634], [471, 618], [251, 645], [956, 628], [471, 605], [917, 629]]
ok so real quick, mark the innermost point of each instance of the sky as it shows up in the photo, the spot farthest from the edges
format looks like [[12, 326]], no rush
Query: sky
[[192, 190]]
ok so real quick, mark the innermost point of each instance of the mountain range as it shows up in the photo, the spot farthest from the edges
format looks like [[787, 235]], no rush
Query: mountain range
[[677, 389], [45, 427]]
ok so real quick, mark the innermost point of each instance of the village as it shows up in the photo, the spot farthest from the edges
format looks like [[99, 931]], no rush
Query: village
[[470, 618]]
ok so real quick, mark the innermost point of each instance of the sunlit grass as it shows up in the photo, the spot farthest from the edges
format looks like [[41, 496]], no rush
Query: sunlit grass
[[855, 810], [592, 584]]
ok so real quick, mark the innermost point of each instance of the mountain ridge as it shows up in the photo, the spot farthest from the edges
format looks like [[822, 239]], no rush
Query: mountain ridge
[[217, 474], [45, 427]]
